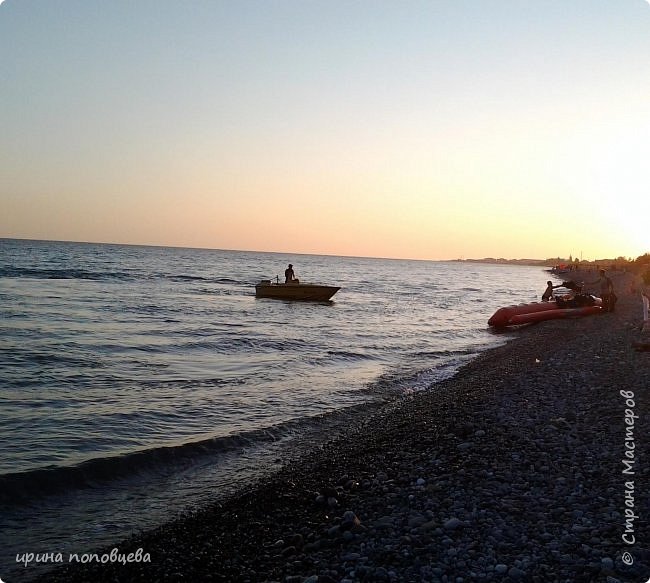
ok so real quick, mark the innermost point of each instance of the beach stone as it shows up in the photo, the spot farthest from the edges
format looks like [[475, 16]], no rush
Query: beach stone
[[334, 531], [453, 524], [385, 522], [361, 570], [516, 573], [416, 521], [501, 569], [607, 563], [381, 574], [382, 477], [289, 551], [295, 540]]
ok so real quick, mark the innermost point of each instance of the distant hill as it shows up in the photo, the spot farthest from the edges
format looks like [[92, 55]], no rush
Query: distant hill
[[618, 263], [503, 261]]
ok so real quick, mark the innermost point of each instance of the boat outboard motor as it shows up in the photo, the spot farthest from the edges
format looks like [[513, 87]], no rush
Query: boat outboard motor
[[572, 285], [577, 301]]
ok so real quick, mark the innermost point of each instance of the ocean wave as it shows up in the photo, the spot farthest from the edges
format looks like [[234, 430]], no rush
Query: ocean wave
[[405, 381], [22, 488], [184, 277], [47, 273], [26, 488], [74, 273], [348, 355], [445, 353], [234, 343], [50, 359]]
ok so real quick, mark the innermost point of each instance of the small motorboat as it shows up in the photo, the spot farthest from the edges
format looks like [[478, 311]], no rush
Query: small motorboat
[[294, 290], [574, 307]]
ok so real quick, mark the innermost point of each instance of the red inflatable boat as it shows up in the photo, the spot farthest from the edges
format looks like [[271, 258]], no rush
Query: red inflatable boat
[[540, 311]]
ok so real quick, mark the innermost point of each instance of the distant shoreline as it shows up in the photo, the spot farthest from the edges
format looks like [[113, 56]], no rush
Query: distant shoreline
[[502, 261], [608, 263]]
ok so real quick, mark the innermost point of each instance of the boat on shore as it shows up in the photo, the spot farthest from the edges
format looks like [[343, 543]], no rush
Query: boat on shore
[[575, 307], [294, 290]]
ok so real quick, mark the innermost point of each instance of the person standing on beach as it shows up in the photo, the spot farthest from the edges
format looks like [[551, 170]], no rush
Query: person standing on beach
[[289, 275], [645, 296], [607, 294]]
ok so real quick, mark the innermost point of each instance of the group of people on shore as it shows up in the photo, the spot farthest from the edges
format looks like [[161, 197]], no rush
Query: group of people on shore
[[607, 295]]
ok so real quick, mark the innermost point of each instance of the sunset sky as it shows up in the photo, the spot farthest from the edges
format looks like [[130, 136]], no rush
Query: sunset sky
[[432, 130]]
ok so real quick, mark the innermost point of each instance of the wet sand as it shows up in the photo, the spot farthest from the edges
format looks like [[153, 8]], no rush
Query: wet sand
[[531, 464]]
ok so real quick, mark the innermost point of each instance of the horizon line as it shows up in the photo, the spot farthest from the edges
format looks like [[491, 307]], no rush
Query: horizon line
[[155, 245]]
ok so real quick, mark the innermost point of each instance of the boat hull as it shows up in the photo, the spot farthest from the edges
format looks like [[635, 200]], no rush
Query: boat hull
[[295, 291], [553, 314], [538, 312]]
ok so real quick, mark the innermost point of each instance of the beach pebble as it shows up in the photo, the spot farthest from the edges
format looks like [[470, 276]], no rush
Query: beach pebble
[[349, 520], [288, 551], [607, 563], [453, 524], [295, 540], [334, 531], [516, 573]]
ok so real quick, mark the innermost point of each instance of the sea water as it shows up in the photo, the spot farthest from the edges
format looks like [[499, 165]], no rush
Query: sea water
[[141, 382]]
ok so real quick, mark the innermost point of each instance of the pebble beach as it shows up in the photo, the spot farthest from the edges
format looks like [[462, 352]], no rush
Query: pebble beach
[[530, 464]]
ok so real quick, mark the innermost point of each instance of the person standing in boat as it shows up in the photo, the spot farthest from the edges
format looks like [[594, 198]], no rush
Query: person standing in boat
[[289, 275], [607, 294], [548, 292]]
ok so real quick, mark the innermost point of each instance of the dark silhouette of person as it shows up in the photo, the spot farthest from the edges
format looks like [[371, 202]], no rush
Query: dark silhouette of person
[[607, 294], [289, 275], [548, 292]]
